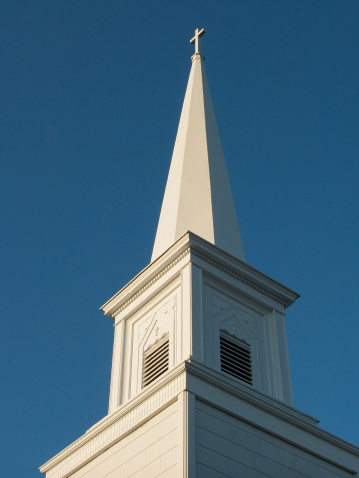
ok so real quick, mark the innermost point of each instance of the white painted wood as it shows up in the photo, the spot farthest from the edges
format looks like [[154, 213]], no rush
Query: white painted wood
[[149, 451], [136, 333], [226, 268], [232, 447], [283, 358], [197, 325], [117, 426], [146, 330], [231, 311], [195, 420], [186, 319], [273, 355], [186, 410], [207, 294], [198, 195], [192, 302], [239, 401], [117, 363]]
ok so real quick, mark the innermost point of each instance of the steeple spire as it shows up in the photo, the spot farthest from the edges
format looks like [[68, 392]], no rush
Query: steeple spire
[[198, 195]]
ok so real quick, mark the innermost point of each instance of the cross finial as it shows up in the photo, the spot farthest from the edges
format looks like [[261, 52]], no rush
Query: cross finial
[[195, 39]]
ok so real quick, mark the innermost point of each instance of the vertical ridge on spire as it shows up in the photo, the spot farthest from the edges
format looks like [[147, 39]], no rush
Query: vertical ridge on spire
[[198, 196]]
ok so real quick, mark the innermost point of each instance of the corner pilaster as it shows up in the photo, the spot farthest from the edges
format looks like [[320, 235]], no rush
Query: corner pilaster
[[187, 429], [192, 312], [117, 364]]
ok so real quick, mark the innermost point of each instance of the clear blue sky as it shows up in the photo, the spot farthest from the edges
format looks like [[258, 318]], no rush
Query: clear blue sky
[[91, 94]]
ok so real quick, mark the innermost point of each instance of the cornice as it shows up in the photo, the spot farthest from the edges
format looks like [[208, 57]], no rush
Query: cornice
[[197, 247], [143, 280], [240, 277], [249, 394], [151, 282], [241, 271]]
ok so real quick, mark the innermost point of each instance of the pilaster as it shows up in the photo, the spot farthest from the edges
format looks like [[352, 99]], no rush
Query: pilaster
[[117, 366], [187, 407]]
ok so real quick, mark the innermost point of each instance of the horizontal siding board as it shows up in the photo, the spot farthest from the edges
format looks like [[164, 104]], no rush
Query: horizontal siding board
[[237, 457], [225, 465], [204, 471], [147, 458], [170, 472], [231, 437], [150, 470], [148, 443], [155, 468], [170, 458]]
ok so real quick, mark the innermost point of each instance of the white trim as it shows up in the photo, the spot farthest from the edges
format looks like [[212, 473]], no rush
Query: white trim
[[114, 427], [205, 252], [187, 458]]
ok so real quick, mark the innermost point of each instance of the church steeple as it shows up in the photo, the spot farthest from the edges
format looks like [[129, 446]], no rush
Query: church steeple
[[200, 380], [198, 195]]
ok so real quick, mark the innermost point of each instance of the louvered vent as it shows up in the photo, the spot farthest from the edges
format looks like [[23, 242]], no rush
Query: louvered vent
[[155, 361], [236, 358]]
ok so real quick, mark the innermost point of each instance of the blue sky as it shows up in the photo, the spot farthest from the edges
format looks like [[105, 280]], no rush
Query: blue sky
[[91, 94]]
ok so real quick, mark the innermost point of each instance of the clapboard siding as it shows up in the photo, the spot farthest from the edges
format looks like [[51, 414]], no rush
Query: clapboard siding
[[203, 471], [231, 447], [149, 451]]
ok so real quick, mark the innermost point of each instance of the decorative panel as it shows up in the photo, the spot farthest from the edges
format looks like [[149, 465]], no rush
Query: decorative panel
[[147, 330]]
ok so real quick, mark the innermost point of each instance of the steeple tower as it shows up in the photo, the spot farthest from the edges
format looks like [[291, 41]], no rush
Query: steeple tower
[[198, 195], [200, 382]]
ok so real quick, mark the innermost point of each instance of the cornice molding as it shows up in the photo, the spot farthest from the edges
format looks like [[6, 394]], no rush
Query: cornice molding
[[249, 394], [239, 277], [151, 282], [212, 255], [270, 415]]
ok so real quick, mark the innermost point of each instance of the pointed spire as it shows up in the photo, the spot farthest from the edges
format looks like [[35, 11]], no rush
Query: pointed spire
[[198, 195]]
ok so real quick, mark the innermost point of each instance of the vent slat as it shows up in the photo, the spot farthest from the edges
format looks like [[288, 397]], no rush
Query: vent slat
[[155, 361], [157, 365], [236, 370], [237, 361], [156, 373], [235, 350], [240, 366], [228, 346], [235, 353], [238, 374], [236, 358], [160, 345], [161, 364], [151, 357], [240, 377], [154, 370]]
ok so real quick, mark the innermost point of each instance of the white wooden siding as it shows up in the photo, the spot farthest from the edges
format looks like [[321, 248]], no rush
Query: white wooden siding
[[149, 451], [226, 446]]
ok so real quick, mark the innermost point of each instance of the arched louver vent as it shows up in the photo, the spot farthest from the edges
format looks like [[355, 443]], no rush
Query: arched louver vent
[[236, 358], [155, 361]]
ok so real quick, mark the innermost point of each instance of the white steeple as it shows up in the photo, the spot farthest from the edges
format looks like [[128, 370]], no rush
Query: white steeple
[[200, 379], [198, 195]]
